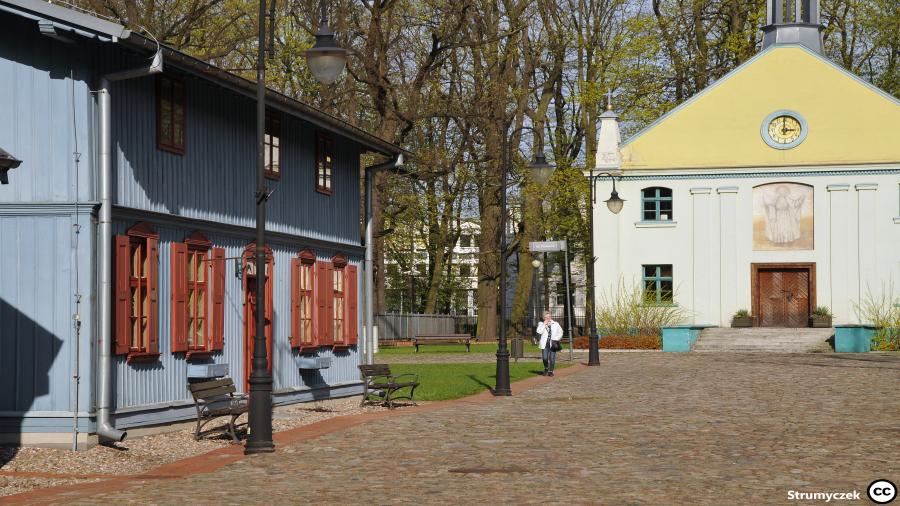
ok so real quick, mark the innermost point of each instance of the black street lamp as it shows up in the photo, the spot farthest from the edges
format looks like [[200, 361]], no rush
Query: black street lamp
[[541, 172], [7, 162], [614, 204], [326, 59]]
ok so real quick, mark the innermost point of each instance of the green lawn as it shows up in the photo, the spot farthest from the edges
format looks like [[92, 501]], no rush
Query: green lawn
[[438, 382], [449, 348]]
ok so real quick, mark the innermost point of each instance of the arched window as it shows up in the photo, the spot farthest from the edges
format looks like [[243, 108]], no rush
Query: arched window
[[656, 204]]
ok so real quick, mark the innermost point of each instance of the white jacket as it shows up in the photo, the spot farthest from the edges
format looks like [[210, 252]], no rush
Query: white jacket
[[555, 331]]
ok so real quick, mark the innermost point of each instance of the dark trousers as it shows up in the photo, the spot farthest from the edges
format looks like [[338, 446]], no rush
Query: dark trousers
[[549, 357]]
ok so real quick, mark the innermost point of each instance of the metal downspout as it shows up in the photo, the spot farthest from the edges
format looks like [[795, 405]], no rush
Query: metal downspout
[[105, 428], [368, 316]]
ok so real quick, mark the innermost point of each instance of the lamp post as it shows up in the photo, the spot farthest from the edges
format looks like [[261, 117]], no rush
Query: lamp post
[[326, 61], [614, 204], [541, 172]]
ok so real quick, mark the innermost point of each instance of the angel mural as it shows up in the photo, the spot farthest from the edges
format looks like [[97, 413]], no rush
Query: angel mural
[[782, 216]]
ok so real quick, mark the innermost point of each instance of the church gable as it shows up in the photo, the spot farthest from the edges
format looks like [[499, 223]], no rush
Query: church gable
[[785, 107]]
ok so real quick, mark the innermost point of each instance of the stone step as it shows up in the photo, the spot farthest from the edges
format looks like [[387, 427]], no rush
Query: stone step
[[765, 339]]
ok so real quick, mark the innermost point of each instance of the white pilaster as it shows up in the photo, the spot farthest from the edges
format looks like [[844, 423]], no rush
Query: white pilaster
[[841, 235], [702, 306], [728, 252], [868, 240]]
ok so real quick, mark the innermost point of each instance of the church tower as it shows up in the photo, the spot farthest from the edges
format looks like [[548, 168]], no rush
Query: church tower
[[793, 22]]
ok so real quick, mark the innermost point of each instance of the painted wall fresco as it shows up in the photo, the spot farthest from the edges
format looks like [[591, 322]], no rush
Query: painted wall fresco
[[783, 217]]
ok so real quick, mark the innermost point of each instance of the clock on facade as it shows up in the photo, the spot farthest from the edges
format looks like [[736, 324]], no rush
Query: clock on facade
[[783, 129]]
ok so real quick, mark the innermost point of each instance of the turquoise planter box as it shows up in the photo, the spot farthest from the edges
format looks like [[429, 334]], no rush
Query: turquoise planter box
[[853, 338], [680, 338]]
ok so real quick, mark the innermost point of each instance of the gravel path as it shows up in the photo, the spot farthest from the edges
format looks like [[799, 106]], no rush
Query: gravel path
[[141, 454]]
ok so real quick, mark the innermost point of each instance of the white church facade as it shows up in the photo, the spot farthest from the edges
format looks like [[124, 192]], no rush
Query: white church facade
[[775, 190]]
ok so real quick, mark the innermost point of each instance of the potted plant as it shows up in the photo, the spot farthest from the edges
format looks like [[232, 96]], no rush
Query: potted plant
[[742, 318], [820, 318]]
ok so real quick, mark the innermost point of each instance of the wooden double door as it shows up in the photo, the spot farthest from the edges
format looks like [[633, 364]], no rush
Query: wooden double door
[[784, 294]]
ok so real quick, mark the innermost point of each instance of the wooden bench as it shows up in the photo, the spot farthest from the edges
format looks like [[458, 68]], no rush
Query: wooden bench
[[214, 399], [442, 339], [379, 382]]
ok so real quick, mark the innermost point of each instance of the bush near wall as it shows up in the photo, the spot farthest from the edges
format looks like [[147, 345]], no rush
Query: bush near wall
[[622, 342]]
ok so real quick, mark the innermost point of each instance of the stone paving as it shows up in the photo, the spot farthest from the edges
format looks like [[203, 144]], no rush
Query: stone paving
[[644, 428]]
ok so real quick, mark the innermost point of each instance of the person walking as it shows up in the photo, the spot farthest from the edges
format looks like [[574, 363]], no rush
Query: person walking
[[550, 332]]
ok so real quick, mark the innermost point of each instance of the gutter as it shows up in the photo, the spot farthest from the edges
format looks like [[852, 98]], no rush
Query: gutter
[[368, 314], [105, 428]]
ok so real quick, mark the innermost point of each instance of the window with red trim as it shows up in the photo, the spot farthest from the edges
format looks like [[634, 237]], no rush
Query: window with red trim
[[170, 114], [136, 261], [273, 146], [344, 302], [303, 305], [324, 161], [198, 292]]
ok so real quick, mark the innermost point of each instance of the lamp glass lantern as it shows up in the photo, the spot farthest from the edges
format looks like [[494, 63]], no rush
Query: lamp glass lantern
[[614, 203], [540, 169], [326, 59]]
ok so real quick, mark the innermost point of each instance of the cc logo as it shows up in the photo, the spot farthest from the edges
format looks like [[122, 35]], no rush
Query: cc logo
[[882, 491]]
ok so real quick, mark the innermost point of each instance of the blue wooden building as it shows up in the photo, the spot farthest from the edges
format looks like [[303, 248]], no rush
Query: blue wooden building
[[130, 222]]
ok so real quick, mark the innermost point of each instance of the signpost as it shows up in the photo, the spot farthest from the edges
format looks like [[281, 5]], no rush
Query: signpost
[[550, 247]]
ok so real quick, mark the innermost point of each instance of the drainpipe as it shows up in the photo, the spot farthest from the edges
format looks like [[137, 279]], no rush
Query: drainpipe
[[105, 428], [368, 315]]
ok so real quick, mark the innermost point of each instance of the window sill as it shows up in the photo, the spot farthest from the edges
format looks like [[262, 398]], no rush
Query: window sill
[[175, 150], [305, 349], [897, 220], [198, 355], [341, 347], [273, 176], [324, 191], [142, 358], [655, 224]]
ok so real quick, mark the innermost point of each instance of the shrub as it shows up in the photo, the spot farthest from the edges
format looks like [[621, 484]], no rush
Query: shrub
[[822, 311], [884, 313], [581, 342], [742, 313], [626, 342], [622, 310]]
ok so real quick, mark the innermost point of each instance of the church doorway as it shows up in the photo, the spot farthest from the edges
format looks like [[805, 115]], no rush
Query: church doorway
[[783, 294]]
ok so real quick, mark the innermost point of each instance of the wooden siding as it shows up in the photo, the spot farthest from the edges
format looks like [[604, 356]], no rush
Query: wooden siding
[[215, 179], [165, 381], [37, 302], [43, 107]]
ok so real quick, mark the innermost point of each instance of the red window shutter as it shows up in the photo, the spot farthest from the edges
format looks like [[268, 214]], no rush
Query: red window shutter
[[179, 297], [295, 303], [329, 304], [122, 284], [217, 342], [153, 293], [351, 296], [322, 318]]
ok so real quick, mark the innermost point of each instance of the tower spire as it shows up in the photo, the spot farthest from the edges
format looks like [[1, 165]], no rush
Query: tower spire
[[793, 22]]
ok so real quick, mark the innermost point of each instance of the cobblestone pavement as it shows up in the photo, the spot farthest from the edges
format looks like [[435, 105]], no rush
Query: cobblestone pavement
[[644, 428]]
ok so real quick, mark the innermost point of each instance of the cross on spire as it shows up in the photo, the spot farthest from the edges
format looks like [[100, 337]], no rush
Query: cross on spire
[[609, 100]]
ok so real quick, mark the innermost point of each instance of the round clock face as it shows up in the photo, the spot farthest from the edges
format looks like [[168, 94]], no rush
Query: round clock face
[[784, 129]]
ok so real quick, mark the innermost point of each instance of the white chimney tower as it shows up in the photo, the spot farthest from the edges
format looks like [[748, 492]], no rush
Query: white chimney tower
[[608, 156]]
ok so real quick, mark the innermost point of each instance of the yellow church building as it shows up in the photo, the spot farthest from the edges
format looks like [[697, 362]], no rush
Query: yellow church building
[[775, 190]]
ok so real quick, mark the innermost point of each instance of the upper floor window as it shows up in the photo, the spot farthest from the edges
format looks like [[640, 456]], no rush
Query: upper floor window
[[273, 146], [137, 292], [170, 114], [198, 293], [658, 287], [324, 161], [657, 204]]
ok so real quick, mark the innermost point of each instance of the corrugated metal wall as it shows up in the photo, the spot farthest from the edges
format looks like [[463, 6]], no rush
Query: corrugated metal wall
[[41, 114], [165, 381], [215, 179]]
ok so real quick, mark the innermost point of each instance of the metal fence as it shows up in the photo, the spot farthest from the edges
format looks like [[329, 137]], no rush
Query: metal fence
[[405, 326]]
